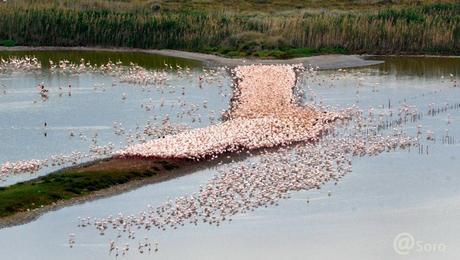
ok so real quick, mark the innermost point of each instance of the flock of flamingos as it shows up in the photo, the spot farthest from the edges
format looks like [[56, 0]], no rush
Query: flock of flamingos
[[294, 146]]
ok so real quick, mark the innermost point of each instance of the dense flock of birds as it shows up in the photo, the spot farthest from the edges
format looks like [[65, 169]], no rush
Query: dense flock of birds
[[260, 182], [294, 147], [329, 139], [25, 64], [263, 114]]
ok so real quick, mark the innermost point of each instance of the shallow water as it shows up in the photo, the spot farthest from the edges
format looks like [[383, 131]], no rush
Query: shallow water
[[393, 193], [148, 61], [92, 104]]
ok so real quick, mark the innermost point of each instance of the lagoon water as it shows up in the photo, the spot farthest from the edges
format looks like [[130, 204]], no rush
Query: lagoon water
[[386, 195], [93, 104]]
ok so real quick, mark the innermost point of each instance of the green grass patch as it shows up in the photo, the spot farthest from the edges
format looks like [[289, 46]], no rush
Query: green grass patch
[[65, 185]]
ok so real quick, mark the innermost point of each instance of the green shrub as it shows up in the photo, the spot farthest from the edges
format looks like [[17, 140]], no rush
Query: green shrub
[[8, 43], [274, 42], [247, 41]]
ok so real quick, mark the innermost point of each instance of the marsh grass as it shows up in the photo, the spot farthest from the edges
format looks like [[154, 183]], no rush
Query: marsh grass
[[416, 29]]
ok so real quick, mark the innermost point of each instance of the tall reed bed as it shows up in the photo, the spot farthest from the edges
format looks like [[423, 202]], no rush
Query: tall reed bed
[[433, 28]]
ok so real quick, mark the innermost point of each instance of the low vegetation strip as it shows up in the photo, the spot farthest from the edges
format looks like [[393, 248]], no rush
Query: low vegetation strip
[[431, 28], [78, 182]]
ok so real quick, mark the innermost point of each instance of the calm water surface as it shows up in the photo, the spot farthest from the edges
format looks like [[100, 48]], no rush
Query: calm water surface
[[93, 104], [102, 57], [398, 192]]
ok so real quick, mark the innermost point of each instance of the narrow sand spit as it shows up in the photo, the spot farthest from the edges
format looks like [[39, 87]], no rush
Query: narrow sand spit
[[263, 114]]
